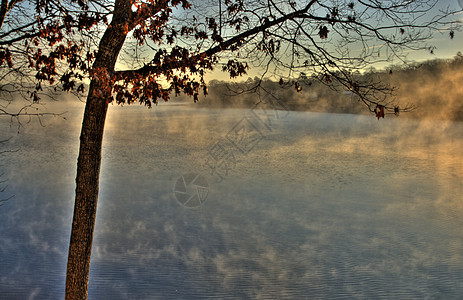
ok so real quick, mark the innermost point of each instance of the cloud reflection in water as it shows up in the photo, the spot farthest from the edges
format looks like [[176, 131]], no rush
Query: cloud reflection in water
[[325, 206]]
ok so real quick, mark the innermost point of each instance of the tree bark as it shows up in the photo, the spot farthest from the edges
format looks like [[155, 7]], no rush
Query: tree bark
[[89, 160], [87, 181]]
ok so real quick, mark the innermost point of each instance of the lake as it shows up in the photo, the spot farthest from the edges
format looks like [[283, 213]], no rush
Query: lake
[[200, 203]]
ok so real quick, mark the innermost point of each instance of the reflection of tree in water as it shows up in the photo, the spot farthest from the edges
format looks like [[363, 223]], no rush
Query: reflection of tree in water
[[3, 179]]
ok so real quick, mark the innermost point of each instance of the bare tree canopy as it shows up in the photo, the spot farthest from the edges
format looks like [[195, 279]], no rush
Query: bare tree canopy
[[171, 45], [22, 24], [144, 51]]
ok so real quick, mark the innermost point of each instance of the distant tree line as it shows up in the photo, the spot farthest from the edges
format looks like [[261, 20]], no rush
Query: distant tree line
[[430, 89]]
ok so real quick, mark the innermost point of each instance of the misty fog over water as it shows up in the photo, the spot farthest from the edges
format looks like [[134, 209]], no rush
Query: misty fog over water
[[293, 205]]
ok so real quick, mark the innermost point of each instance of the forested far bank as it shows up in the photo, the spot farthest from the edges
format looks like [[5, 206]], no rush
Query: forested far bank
[[433, 89]]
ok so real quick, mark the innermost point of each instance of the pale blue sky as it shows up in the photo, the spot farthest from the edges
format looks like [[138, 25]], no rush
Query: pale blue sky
[[445, 47]]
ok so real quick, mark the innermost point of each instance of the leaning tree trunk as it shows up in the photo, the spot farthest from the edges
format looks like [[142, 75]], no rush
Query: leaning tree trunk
[[89, 160]]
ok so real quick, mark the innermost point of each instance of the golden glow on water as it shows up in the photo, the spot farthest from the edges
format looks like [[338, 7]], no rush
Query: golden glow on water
[[326, 205]]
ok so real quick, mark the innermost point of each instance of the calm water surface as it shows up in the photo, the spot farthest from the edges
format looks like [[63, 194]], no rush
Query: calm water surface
[[293, 205]]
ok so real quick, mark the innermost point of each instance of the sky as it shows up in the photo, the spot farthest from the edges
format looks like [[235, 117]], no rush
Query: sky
[[445, 47]]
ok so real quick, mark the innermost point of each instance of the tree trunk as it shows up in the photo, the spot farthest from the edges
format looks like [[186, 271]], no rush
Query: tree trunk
[[87, 181], [89, 160]]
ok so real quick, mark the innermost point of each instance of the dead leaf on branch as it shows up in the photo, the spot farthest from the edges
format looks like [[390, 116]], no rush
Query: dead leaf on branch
[[379, 111], [323, 32]]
